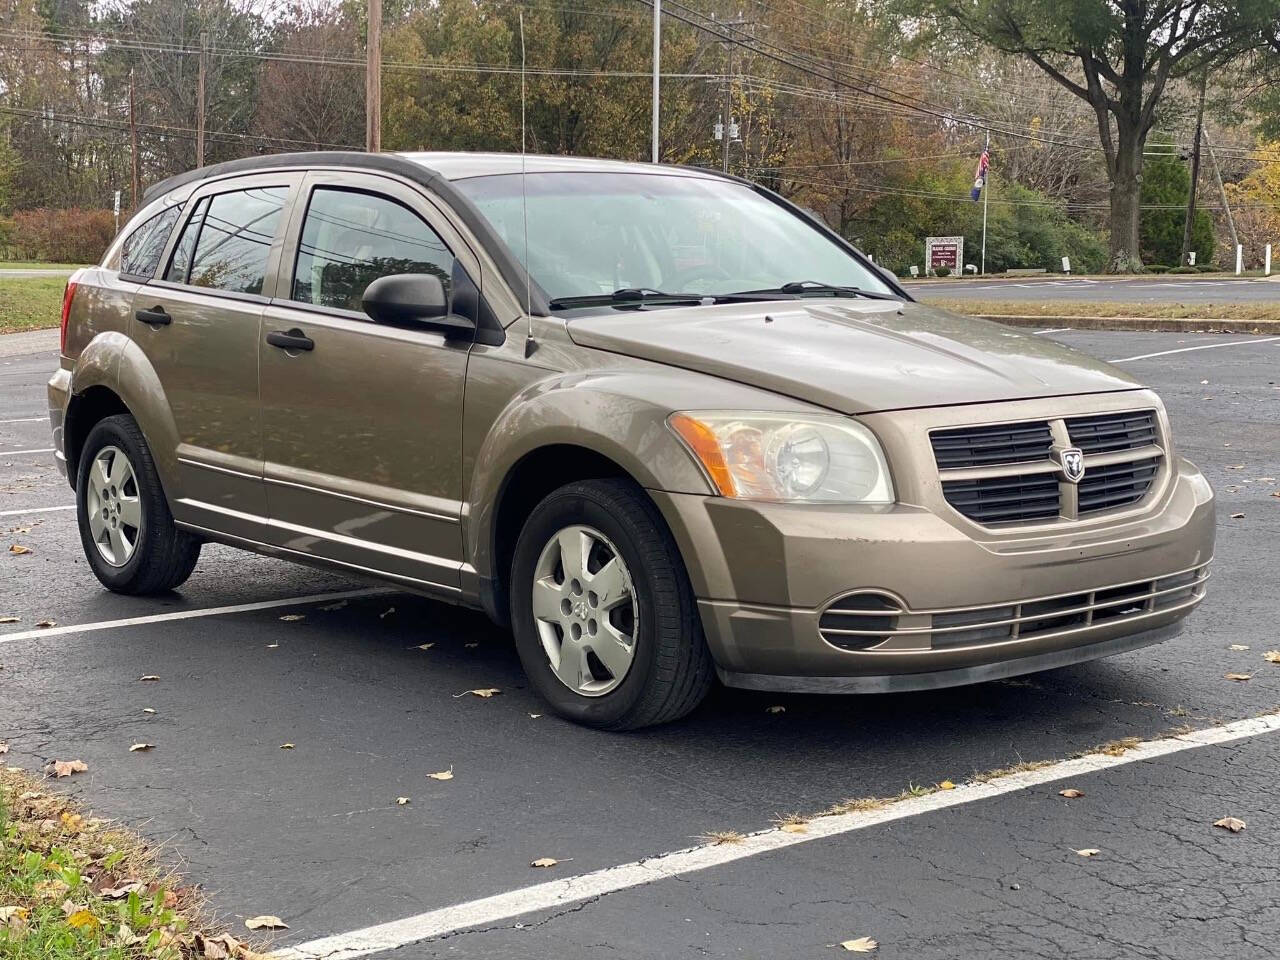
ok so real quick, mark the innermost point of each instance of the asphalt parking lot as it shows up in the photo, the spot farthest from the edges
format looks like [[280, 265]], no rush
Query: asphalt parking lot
[[1154, 289], [370, 690]]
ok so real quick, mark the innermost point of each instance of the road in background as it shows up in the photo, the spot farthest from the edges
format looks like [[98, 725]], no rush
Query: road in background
[[1178, 289]]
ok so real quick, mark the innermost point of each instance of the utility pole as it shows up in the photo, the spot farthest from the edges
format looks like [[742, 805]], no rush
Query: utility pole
[[135, 179], [373, 80], [1195, 175], [1222, 191], [657, 71], [986, 194], [727, 125], [200, 97]]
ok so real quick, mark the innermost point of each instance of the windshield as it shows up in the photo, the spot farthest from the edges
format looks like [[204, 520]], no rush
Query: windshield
[[591, 234]]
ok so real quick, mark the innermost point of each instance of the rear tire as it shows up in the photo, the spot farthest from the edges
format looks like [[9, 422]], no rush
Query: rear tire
[[666, 670], [127, 531]]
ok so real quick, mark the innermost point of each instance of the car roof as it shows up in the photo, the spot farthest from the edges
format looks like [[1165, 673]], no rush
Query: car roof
[[460, 165]]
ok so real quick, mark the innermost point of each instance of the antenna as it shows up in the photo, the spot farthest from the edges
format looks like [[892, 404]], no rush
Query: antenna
[[529, 344]]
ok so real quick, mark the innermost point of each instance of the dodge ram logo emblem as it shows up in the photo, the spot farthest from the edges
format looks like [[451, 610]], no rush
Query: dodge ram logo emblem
[[1073, 464]]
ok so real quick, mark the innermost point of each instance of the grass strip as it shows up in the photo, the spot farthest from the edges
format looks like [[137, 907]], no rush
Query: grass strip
[[30, 303]]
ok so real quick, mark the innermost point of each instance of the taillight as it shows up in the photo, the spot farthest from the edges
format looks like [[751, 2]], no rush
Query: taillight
[[67, 296]]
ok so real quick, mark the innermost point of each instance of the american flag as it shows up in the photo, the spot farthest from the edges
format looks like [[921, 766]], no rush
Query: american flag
[[980, 178]]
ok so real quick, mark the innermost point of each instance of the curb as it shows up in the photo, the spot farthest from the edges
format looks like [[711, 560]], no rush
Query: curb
[[1164, 324]]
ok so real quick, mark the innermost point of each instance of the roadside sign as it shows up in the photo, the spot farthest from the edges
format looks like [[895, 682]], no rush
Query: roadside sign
[[944, 252], [116, 208]]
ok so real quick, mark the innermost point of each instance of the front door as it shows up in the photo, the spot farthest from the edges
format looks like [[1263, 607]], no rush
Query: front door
[[362, 422], [198, 324]]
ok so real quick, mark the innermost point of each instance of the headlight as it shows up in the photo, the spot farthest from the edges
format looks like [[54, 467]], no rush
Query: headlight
[[769, 456]]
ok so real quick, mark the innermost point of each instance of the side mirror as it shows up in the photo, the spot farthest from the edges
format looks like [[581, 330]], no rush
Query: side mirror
[[413, 299]]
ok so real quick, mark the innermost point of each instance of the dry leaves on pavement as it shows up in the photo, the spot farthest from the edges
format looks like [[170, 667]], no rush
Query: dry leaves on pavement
[[286, 746], [442, 775], [946, 785], [1237, 677], [18, 549], [401, 801], [484, 693], [65, 768], [1071, 793], [46, 624], [149, 678], [10, 620], [4, 748], [1272, 656], [140, 747], [1089, 852], [1234, 824], [266, 922], [1238, 647], [860, 945], [546, 862], [775, 709]]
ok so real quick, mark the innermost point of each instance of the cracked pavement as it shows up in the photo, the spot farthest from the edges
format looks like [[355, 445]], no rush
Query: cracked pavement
[[313, 834]]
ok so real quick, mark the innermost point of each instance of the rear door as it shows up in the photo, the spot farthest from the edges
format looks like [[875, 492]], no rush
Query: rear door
[[198, 324], [362, 428]]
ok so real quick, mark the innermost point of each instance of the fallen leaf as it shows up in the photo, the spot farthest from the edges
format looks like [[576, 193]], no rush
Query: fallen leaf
[[272, 646], [546, 862], [72, 822], [946, 785], [148, 678], [401, 801], [484, 693], [222, 947], [1237, 647], [1071, 793], [45, 624], [1234, 824], [290, 617], [4, 748], [122, 891], [470, 646], [1274, 493], [1272, 656], [860, 945], [286, 746], [139, 747], [423, 646], [442, 775], [794, 828], [266, 922], [534, 716], [1235, 466], [1237, 516], [18, 549], [1237, 677], [1088, 852], [148, 710], [386, 613], [83, 919], [775, 709], [65, 768], [16, 620]]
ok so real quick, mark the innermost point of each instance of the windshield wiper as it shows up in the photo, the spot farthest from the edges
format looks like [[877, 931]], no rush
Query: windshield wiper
[[799, 288], [625, 296]]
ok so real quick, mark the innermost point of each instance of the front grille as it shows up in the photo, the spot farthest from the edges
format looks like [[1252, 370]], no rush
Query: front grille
[[1005, 499], [1007, 474], [1029, 619], [1113, 431], [998, 443], [1115, 485]]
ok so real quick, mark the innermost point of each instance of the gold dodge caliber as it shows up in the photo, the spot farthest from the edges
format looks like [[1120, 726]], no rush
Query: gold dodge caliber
[[701, 435]]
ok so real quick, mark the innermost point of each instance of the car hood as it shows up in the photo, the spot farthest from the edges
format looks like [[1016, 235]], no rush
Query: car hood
[[854, 356]]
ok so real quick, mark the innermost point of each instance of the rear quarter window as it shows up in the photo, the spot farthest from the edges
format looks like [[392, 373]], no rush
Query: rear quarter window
[[140, 253]]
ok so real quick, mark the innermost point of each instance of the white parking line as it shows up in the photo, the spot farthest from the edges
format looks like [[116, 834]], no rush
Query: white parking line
[[1207, 346], [25, 420], [190, 614], [18, 453], [17, 513], [1040, 333], [570, 890]]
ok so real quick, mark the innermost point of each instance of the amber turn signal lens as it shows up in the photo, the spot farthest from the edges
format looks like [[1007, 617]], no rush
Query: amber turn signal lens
[[702, 442]]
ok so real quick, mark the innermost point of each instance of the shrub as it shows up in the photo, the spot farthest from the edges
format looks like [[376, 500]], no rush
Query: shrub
[[1207, 268], [1157, 268], [1186, 269], [942, 271], [72, 235]]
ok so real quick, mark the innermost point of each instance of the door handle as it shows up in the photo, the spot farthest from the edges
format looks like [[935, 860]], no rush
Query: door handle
[[293, 339], [155, 316]]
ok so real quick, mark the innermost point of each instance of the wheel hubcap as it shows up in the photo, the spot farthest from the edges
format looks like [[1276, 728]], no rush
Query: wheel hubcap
[[584, 605], [113, 506]]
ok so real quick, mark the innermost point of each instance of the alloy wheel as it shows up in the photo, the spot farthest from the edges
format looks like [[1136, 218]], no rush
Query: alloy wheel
[[113, 506], [584, 606]]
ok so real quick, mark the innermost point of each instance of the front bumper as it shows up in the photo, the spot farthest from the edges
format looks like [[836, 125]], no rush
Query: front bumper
[[765, 573]]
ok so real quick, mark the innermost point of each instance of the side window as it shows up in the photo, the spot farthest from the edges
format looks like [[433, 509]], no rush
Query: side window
[[141, 250], [350, 239], [233, 243], [180, 262]]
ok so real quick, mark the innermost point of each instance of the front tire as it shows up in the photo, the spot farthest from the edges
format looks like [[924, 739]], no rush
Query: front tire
[[604, 618], [127, 531]]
